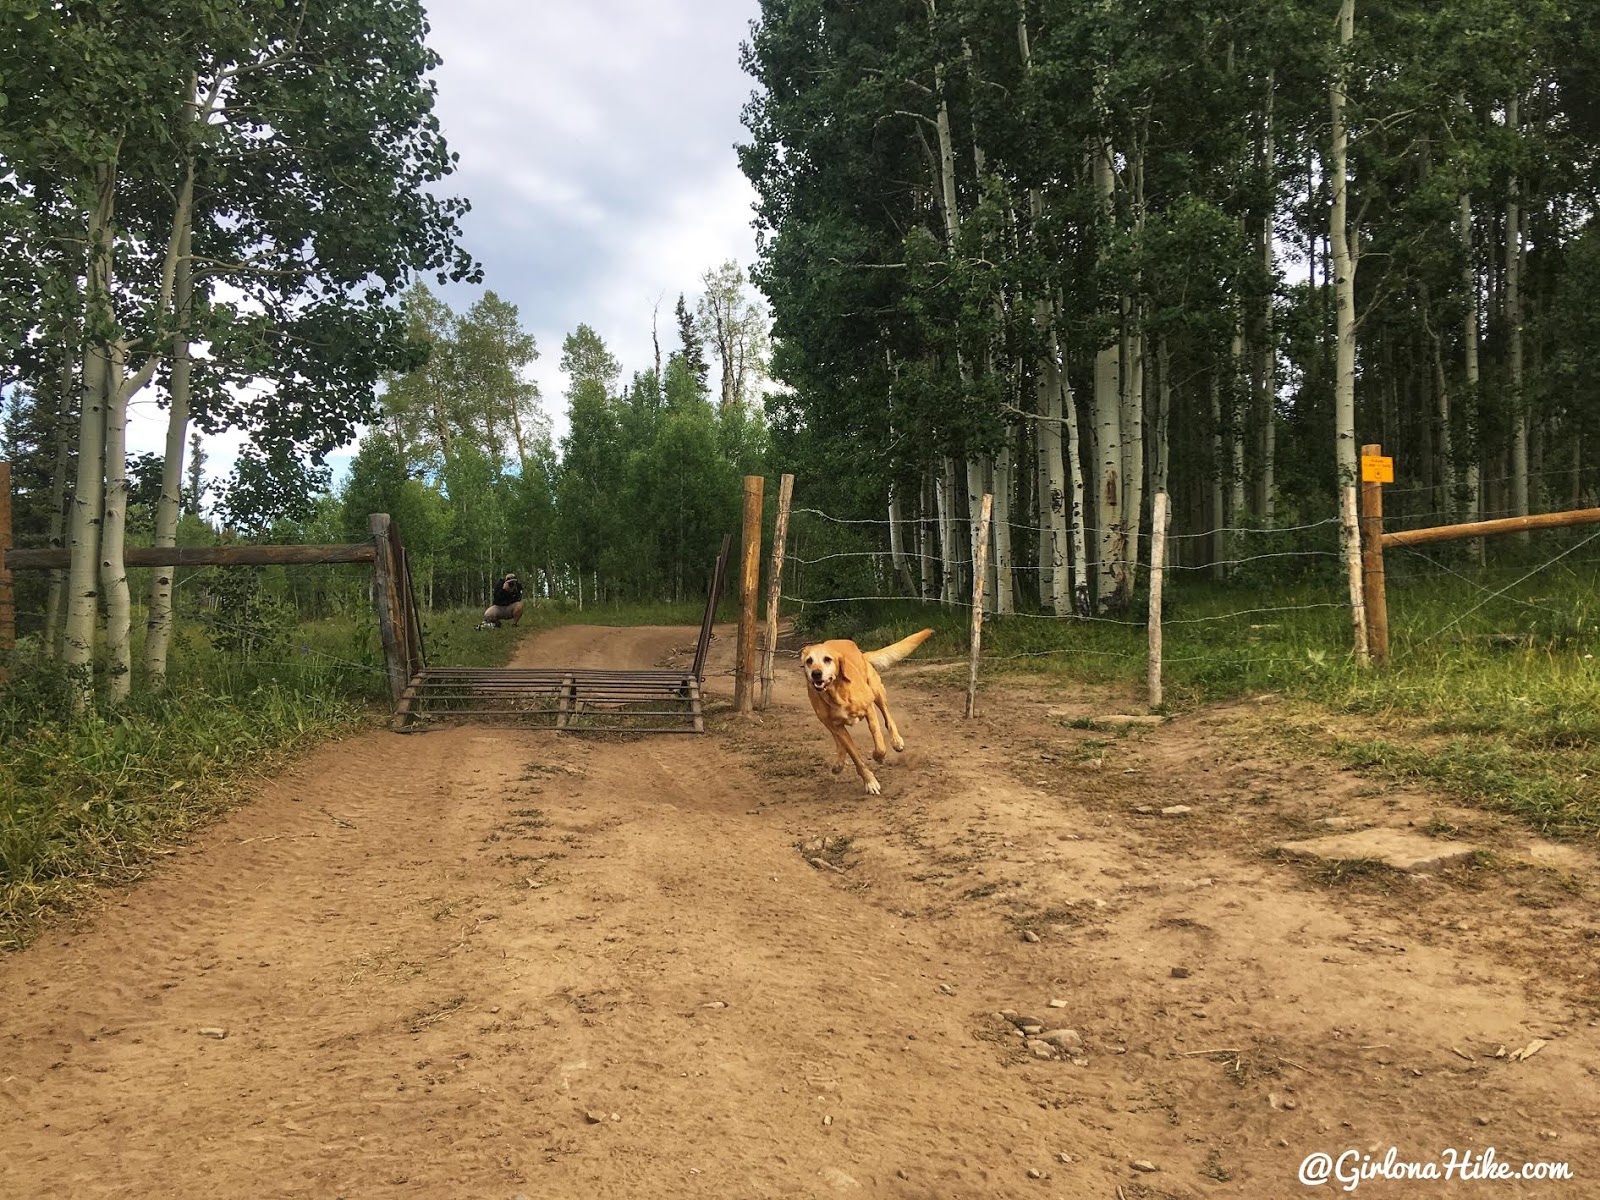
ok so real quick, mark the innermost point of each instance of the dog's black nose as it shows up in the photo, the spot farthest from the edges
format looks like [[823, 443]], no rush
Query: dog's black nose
[[817, 675]]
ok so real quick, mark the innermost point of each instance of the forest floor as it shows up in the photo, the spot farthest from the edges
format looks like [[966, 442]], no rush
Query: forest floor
[[495, 962]]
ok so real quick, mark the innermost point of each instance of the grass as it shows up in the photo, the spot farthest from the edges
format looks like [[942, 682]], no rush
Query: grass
[[90, 801], [1494, 698]]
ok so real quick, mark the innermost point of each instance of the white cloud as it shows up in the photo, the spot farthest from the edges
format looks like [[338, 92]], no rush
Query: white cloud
[[596, 146]]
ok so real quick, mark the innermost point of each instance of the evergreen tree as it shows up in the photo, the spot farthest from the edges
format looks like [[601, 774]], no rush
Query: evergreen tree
[[693, 350]]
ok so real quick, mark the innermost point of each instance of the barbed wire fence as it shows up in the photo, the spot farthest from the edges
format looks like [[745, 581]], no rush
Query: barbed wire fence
[[1275, 596]]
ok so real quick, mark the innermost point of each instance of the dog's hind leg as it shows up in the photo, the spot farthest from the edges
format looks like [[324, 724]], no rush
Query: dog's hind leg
[[848, 746], [881, 701]]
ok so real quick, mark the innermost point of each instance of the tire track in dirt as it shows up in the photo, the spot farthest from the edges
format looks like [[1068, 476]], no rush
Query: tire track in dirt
[[438, 956]]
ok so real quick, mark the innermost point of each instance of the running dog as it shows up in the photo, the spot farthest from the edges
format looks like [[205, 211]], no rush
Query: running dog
[[844, 688]]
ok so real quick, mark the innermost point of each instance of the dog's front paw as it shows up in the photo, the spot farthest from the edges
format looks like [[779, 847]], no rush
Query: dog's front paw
[[879, 755], [899, 745], [836, 768], [873, 788]]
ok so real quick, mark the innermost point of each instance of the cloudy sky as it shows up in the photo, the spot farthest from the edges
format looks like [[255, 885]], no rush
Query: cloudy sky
[[596, 141]]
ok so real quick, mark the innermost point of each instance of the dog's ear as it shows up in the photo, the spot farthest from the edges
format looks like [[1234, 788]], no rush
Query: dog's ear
[[838, 668]]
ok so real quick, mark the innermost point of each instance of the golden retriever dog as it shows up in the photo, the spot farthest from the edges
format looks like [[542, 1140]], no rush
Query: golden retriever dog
[[845, 687]]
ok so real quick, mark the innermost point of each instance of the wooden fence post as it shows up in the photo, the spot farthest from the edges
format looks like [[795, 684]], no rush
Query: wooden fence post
[[780, 533], [1372, 560], [744, 682], [979, 571], [385, 598], [1158, 561], [8, 598]]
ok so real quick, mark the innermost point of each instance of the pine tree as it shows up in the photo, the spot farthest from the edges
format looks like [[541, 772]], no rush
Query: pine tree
[[694, 352]]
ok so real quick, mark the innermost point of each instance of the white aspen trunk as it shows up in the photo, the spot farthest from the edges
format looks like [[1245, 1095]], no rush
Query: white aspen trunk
[[977, 479], [726, 352], [1054, 583], [1004, 470], [113, 537], [1513, 321], [926, 509], [951, 206], [949, 577], [1469, 342], [1133, 380], [158, 621], [1345, 258], [1441, 387], [897, 541], [83, 535], [55, 602], [1108, 491], [1163, 415], [1077, 483], [1238, 411], [1133, 458], [1219, 472], [1267, 364], [1050, 482], [516, 433], [1108, 424]]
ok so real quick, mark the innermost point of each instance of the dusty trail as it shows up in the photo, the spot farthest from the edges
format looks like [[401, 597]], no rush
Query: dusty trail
[[488, 962]]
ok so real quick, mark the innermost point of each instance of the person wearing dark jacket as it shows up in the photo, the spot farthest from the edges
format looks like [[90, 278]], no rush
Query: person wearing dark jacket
[[507, 604]]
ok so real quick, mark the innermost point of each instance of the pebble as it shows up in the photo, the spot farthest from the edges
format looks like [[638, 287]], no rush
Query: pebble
[[1064, 1157], [947, 989], [1067, 1039], [827, 1120], [1035, 1173], [593, 1118], [1058, 1004], [1040, 1049], [1144, 1164], [1180, 972], [211, 1031], [1483, 1120], [1029, 935], [1176, 810]]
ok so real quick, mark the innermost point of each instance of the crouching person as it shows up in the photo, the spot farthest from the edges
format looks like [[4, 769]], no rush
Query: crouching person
[[507, 604]]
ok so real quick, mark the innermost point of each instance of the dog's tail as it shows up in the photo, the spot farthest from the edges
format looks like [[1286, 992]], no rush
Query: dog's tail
[[889, 655]]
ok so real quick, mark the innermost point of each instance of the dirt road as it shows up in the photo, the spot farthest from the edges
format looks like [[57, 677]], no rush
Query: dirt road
[[484, 962]]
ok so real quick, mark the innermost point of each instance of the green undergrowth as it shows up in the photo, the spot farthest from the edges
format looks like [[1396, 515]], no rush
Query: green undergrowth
[[1495, 699], [89, 801]]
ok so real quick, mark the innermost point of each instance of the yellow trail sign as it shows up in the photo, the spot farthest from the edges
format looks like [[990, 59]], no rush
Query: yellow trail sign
[[1376, 468]]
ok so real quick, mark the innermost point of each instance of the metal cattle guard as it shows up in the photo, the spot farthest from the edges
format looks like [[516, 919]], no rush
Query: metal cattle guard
[[575, 699]]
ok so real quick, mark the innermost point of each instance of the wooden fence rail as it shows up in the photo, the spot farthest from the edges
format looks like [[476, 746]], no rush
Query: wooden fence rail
[[1376, 541], [398, 619], [204, 556]]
